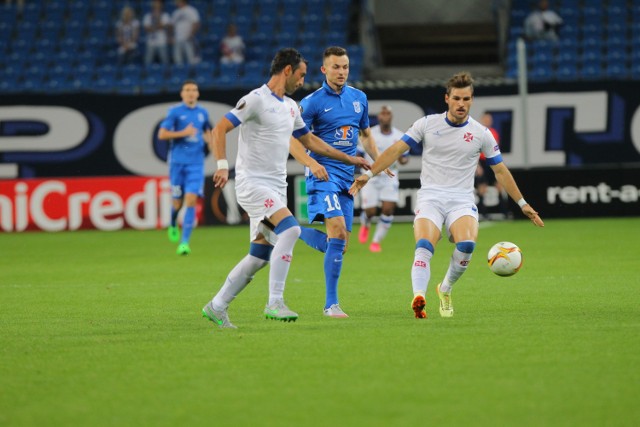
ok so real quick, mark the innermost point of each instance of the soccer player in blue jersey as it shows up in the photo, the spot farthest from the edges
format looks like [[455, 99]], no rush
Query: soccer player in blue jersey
[[187, 126], [338, 114], [452, 143], [267, 120]]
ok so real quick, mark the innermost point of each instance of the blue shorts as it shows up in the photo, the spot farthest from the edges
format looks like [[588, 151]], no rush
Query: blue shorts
[[329, 204], [186, 178]]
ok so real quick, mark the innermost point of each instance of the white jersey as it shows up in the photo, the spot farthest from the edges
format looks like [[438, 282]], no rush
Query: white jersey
[[450, 152], [383, 141], [267, 123]]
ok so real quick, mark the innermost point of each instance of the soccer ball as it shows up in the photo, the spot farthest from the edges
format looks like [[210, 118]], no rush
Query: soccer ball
[[505, 258]]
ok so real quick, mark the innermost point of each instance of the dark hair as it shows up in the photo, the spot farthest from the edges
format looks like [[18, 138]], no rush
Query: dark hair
[[334, 50], [459, 81], [188, 82], [284, 57]]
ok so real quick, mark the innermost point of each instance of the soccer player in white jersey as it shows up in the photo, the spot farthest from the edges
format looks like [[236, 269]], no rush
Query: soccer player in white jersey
[[383, 191], [267, 120], [452, 143]]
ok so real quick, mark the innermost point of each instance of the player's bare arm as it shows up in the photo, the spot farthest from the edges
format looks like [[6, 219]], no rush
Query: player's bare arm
[[504, 177], [218, 147], [297, 150], [370, 146], [165, 134], [315, 144], [385, 160]]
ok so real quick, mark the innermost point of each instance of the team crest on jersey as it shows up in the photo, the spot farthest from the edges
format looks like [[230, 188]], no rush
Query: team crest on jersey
[[241, 104], [468, 136], [200, 117], [268, 203], [293, 113], [356, 106]]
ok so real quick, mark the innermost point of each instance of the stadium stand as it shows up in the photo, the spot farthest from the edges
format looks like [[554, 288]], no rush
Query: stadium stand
[[600, 40], [60, 46]]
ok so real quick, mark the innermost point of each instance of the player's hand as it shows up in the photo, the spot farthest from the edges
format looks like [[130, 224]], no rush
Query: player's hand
[[357, 185], [360, 162], [389, 173], [220, 178], [532, 215], [319, 171], [190, 130]]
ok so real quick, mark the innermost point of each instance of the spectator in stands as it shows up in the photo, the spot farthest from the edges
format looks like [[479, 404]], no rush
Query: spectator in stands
[[127, 35], [232, 47], [186, 23], [156, 24], [542, 23]]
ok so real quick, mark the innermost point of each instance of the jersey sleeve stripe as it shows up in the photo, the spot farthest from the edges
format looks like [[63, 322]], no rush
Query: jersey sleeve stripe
[[406, 138], [494, 160], [233, 119], [300, 132]]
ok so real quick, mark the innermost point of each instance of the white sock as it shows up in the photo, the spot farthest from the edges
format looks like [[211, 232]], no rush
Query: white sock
[[421, 271], [237, 280], [384, 224], [364, 219], [457, 266], [281, 261]]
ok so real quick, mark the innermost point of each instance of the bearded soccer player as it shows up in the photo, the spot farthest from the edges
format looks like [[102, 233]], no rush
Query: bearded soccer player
[[267, 119]]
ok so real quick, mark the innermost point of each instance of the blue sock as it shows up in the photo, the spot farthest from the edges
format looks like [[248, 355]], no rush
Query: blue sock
[[187, 223], [332, 268], [314, 238], [174, 215]]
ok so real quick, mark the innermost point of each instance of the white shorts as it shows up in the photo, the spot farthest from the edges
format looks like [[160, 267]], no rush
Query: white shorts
[[260, 202], [380, 189], [445, 208]]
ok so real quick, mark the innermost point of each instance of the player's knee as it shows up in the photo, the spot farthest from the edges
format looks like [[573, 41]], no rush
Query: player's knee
[[466, 246], [288, 225], [425, 244]]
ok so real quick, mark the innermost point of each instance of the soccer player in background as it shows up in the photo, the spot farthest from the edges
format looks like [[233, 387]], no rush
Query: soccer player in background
[[187, 126], [337, 113], [383, 191], [452, 143], [267, 119]]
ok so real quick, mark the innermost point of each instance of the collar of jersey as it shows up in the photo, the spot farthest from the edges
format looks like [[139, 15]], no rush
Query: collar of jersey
[[328, 89], [446, 119]]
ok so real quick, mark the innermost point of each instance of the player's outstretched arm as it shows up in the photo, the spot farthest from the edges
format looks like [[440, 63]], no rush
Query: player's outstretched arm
[[385, 160], [504, 177], [371, 148], [317, 145], [218, 146], [297, 150]]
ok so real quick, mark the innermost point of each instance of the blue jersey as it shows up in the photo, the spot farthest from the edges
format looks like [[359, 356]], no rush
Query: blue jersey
[[337, 119], [188, 150]]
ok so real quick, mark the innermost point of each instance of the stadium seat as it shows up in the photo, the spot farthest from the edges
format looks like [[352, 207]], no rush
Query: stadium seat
[[232, 70], [566, 73], [312, 23], [591, 71], [615, 54], [339, 6], [616, 71], [290, 7]]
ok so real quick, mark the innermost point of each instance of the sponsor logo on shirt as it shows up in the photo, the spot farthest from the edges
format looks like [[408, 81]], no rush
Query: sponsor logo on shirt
[[344, 133], [356, 106]]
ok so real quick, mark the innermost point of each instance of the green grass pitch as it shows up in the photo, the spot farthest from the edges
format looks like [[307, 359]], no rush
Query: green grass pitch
[[104, 329]]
